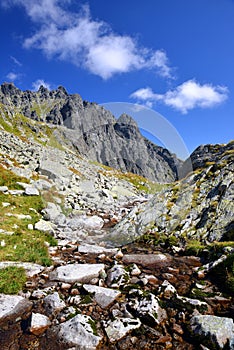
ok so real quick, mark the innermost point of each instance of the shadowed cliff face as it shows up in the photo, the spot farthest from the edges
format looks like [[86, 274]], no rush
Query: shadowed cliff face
[[94, 131]]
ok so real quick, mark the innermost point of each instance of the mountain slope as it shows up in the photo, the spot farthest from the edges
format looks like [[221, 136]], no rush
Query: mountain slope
[[92, 130], [200, 207]]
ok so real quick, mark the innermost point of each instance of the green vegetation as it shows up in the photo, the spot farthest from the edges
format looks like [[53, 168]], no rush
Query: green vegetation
[[23, 127], [92, 324], [156, 239], [138, 181], [224, 274], [18, 241], [9, 179], [17, 124], [194, 247], [12, 279]]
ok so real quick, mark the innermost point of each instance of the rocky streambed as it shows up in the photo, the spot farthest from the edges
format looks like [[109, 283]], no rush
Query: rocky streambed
[[138, 297]]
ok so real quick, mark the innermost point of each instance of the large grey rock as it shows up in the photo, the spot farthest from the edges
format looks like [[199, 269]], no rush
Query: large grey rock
[[77, 273], [39, 323], [45, 226], [13, 308], [31, 191], [78, 332], [54, 170], [96, 250], [88, 223], [103, 296], [120, 327], [52, 211], [53, 304], [213, 331], [147, 308], [117, 276]]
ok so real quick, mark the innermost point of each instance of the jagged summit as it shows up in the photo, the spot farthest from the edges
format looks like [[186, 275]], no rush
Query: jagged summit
[[94, 131]]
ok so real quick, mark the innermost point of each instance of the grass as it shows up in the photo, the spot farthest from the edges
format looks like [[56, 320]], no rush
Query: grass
[[9, 179], [12, 279], [194, 247], [139, 182], [22, 244]]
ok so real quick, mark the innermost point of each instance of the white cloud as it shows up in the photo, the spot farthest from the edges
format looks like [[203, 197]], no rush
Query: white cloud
[[17, 62], [12, 76], [160, 61], [87, 43], [38, 83], [144, 94], [186, 96]]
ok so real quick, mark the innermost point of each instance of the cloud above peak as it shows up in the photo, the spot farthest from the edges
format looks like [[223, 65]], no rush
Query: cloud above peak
[[87, 43], [186, 96]]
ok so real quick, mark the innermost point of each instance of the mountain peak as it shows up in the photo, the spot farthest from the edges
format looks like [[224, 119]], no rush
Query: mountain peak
[[127, 120]]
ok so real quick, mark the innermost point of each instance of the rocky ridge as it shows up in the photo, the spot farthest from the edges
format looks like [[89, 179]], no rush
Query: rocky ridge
[[91, 130], [106, 289]]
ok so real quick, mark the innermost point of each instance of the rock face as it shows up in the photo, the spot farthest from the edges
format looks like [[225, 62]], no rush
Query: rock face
[[199, 207], [208, 154], [93, 131]]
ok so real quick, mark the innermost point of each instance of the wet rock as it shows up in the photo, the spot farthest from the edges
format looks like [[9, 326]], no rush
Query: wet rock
[[120, 327], [213, 331], [103, 296], [72, 273]]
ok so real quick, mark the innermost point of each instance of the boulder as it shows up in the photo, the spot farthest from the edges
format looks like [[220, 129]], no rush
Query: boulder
[[117, 276], [72, 273], [78, 333], [96, 250], [213, 331], [53, 304], [147, 308], [44, 226], [120, 327], [31, 191], [103, 296], [39, 323], [13, 308]]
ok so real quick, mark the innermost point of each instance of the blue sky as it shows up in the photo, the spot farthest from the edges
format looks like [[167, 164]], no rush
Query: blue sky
[[176, 57]]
